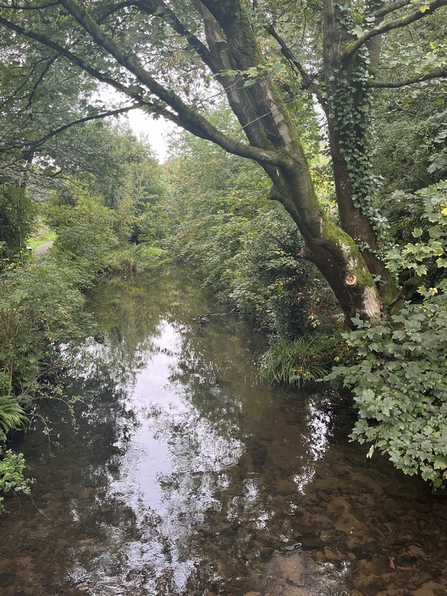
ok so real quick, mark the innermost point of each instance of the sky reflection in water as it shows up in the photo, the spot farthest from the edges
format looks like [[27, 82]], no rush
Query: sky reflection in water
[[186, 476], [174, 468]]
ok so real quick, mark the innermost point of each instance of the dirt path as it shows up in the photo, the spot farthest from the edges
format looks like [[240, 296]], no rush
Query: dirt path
[[42, 248]]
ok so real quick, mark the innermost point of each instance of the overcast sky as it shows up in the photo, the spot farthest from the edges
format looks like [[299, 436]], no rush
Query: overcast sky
[[154, 130]]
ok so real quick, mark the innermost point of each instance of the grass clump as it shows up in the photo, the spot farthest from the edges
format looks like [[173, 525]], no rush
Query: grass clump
[[300, 362]]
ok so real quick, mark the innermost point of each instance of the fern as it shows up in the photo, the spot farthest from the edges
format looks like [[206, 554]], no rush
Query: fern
[[12, 416]]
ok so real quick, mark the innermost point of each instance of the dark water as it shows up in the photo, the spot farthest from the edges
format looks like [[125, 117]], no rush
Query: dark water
[[185, 475]]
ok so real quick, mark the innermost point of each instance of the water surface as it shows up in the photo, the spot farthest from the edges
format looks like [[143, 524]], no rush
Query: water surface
[[185, 475]]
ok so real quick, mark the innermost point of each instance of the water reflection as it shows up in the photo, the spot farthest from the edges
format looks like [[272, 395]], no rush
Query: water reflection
[[186, 475]]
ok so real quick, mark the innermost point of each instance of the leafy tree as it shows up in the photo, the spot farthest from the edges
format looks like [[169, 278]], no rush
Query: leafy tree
[[106, 157], [16, 220], [103, 165], [41, 98], [164, 55], [85, 233]]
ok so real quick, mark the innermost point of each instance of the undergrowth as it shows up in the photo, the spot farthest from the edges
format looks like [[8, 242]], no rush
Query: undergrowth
[[299, 362]]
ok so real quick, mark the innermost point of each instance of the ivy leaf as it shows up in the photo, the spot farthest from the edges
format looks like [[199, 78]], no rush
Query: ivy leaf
[[358, 31]]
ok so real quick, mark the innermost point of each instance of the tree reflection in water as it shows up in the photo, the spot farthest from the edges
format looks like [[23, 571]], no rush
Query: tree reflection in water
[[211, 465], [186, 475]]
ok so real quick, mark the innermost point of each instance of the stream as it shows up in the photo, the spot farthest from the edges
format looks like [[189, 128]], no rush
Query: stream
[[184, 475]]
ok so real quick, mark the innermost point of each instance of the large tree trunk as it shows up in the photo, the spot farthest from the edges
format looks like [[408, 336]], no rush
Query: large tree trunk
[[267, 124], [345, 88]]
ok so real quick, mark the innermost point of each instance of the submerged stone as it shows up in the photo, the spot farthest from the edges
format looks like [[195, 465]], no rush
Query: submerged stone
[[297, 574]]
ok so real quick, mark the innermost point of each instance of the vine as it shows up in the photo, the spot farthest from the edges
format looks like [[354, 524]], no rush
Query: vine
[[351, 110]]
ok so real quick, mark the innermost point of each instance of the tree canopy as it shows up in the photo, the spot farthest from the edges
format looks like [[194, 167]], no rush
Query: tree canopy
[[274, 61]]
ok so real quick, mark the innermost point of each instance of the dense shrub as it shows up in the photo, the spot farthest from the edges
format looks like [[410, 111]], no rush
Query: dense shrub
[[40, 308], [399, 370], [12, 478]]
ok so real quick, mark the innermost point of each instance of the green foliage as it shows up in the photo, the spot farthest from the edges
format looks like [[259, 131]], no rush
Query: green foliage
[[111, 164], [422, 262], [409, 122], [40, 308], [12, 478], [85, 233], [16, 221], [108, 198], [410, 138], [399, 385], [87, 239], [399, 370], [12, 415], [301, 361]]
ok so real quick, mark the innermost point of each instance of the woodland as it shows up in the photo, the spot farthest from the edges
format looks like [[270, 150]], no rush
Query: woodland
[[306, 183]]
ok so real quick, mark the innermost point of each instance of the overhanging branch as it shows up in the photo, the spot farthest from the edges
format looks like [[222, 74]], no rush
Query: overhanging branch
[[36, 144], [185, 116], [70, 56], [388, 9], [15, 93], [39, 80], [188, 118], [109, 10], [386, 26], [288, 54], [434, 74]]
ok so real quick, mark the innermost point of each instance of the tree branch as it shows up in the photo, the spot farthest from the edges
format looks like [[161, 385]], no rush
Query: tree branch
[[39, 80], [288, 54], [188, 118], [70, 56], [170, 18], [388, 9], [384, 27], [434, 74], [36, 144], [28, 76], [109, 10]]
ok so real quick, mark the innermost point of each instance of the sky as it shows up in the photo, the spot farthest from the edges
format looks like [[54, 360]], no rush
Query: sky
[[155, 131], [142, 124]]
